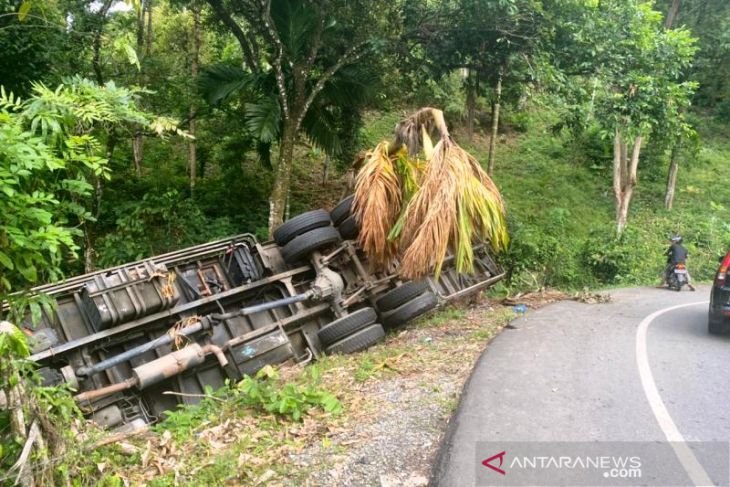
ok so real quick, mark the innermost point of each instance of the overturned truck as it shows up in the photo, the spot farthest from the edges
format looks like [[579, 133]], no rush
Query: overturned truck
[[139, 339]]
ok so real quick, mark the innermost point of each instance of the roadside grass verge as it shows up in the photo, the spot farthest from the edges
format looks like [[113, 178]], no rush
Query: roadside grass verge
[[224, 439]]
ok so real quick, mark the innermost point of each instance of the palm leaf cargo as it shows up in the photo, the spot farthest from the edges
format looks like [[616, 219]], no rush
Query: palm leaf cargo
[[417, 210]]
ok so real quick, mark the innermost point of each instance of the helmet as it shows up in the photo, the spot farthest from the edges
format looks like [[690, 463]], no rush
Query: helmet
[[676, 239]]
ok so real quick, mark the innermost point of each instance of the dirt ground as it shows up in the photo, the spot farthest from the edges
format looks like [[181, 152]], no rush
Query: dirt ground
[[397, 416]]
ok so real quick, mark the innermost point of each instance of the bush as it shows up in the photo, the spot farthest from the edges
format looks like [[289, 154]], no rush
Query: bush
[[520, 121], [157, 224], [543, 252], [630, 259]]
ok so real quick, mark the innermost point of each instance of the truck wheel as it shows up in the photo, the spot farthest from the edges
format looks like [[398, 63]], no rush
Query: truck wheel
[[349, 228], [358, 341], [308, 242], [293, 227], [410, 310], [342, 210], [347, 325], [400, 295]]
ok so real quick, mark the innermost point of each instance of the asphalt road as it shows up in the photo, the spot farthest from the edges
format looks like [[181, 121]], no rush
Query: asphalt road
[[629, 370]]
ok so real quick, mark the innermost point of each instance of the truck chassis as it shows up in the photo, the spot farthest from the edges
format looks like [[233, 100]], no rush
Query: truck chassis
[[189, 320]]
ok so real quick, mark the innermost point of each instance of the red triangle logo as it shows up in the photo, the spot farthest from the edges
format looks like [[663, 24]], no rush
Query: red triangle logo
[[497, 469]]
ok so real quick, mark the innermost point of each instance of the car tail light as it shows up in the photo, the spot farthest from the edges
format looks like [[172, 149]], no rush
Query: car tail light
[[721, 278]]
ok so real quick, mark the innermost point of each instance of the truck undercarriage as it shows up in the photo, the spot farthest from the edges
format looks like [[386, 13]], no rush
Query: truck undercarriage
[[188, 320]]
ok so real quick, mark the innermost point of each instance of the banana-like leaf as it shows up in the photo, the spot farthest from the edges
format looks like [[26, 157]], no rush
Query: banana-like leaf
[[263, 119], [220, 82]]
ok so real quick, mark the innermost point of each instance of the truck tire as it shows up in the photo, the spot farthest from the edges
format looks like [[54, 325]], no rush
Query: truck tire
[[308, 242], [342, 210], [401, 295], [358, 341], [347, 325], [349, 228], [293, 227], [410, 310]]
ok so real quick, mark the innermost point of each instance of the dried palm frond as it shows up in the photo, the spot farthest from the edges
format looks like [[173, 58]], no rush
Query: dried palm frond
[[427, 212], [410, 172], [376, 205], [456, 204], [409, 132]]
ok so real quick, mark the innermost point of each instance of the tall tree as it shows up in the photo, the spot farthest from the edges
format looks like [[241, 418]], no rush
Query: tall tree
[[303, 45], [194, 60], [33, 46], [50, 136], [492, 40], [637, 66]]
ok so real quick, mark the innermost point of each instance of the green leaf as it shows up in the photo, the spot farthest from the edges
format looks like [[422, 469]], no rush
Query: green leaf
[[5, 260], [24, 9], [35, 313], [29, 273], [132, 56]]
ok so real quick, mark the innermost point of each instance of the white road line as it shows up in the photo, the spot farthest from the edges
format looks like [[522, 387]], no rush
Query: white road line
[[690, 463]]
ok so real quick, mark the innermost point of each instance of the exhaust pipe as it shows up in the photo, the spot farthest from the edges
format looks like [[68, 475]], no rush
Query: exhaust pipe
[[158, 370]]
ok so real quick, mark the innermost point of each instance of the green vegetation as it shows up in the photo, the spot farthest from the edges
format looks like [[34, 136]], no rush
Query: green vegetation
[[560, 210], [131, 128], [48, 411], [237, 435], [549, 65]]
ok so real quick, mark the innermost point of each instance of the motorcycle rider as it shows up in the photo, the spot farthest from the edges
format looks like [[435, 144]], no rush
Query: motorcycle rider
[[676, 254]]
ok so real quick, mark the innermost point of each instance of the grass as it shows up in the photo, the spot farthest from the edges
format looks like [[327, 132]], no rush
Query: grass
[[218, 441], [557, 189]]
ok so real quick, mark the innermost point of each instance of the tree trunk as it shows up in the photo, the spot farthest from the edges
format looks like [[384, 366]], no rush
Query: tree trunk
[[325, 169], [617, 172], [192, 147], [140, 26], [495, 124], [148, 40], [674, 160], [672, 14], [471, 102], [137, 152], [624, 163], [89, 252], [280, 191], [192, 151], [96, 45], [137, 142], [672, 178], [624, 178]]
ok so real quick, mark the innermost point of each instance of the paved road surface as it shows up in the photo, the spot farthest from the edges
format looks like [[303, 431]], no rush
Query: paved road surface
[[573, 372]]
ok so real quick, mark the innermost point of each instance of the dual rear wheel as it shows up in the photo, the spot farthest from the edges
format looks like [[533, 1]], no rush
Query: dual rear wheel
[[316, 230]]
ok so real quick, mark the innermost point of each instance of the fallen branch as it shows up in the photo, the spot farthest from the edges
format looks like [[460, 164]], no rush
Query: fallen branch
[[34, 435], [117, 437]]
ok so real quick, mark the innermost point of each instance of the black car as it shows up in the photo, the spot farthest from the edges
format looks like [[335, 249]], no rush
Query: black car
[[719, 317]]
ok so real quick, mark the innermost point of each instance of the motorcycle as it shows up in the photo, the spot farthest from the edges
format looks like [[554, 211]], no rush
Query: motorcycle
[[677, 277]]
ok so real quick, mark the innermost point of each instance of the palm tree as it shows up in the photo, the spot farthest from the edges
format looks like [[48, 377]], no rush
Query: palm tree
[[302, 70]]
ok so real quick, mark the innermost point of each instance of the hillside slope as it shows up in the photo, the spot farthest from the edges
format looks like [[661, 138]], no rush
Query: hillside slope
[[560, 204]]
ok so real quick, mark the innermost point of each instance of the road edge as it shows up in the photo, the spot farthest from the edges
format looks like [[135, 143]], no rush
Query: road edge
[[438, 469]]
